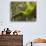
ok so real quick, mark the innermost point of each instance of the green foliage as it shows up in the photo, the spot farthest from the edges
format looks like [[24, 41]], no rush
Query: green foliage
[[29, 9], [22, 9]]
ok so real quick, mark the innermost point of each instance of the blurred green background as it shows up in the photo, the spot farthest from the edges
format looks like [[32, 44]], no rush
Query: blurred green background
[[23, 11]]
